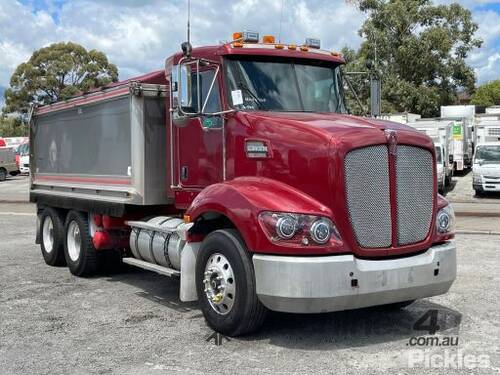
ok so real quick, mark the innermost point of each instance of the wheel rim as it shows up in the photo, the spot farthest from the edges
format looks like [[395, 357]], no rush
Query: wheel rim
[[48, 235], [74, 241], [219, 284]]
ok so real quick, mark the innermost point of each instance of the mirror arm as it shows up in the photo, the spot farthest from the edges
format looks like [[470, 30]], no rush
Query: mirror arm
[[198, 88], [210, 89]]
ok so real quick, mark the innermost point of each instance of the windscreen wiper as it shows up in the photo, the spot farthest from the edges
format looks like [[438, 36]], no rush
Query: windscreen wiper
[[244, 87]]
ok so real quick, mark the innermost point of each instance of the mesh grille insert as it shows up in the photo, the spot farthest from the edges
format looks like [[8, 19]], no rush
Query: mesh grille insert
[[367, 188], [415, 189], [368, 195]]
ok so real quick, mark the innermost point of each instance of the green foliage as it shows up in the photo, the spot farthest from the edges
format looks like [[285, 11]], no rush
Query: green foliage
[[12, 127], [420, 50], [360, 82], [57, 72], [487, 94]]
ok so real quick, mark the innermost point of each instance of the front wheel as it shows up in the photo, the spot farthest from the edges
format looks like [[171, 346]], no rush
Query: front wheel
[[225, 283], [3, 174]]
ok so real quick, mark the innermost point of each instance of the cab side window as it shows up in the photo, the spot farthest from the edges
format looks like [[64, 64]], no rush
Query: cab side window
[[213, 103]]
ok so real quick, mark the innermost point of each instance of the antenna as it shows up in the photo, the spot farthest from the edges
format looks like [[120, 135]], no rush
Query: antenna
[[281, 20], [188, 22]]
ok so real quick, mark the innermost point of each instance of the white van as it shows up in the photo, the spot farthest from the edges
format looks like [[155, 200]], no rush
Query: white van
[[486, 168]]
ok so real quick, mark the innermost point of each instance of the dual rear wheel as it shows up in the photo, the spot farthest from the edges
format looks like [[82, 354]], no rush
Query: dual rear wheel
[[67, 241]]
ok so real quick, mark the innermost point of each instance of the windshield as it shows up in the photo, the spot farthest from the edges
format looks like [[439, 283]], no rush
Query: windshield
[[23, 149], [439, 158], [285, 85], [488, 154]]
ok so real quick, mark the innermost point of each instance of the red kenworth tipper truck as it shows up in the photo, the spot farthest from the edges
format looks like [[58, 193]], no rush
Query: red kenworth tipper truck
[[238, 170]]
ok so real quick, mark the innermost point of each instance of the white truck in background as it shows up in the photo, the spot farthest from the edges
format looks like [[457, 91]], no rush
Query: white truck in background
[[493, 110], [402, 117], [463, 133], [486, 167], [24, 157], [441, 134]]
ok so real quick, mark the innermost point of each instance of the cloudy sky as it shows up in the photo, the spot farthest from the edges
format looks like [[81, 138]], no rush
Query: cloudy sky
[[137, 35]]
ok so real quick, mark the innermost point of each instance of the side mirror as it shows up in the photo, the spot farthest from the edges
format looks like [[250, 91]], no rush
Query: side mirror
[[184, 94]]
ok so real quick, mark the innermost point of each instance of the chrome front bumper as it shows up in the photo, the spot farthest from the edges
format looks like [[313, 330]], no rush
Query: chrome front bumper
[[344, 282]]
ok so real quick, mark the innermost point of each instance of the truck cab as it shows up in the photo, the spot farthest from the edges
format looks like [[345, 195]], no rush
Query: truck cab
[[271, 196]]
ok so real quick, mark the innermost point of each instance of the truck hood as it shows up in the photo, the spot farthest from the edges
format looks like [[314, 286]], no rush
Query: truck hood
[[328, 123]]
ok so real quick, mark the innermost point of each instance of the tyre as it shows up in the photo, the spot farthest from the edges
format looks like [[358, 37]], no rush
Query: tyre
[[225, 282], [448, 180], [479, 192], [79, 251], [3, 174], [52, 237]]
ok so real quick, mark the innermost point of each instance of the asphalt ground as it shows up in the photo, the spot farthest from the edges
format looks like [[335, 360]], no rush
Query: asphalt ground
[[132, 322]]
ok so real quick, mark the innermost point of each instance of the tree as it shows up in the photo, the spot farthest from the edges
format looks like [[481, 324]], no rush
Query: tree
[[12, 127], [419, 50], [487, 94], [57, 72]]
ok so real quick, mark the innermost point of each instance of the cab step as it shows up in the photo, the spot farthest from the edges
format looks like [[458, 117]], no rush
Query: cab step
[[152, 267]]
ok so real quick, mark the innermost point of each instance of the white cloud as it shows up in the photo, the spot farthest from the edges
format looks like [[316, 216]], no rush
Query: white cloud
[[139, 35]]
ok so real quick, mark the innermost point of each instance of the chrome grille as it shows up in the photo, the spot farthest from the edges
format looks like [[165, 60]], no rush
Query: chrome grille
[[415, 190], [368, 194], [368, 199]]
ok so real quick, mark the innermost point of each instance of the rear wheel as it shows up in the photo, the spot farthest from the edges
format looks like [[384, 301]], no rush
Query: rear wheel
[[225, 282], [52, 237], [3, 174], [79, 251]]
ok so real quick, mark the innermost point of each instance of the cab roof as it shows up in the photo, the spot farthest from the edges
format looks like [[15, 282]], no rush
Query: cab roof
[[259, 49]]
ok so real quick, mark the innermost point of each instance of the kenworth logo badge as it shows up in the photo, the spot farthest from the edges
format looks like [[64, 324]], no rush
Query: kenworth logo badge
[[392, 141]]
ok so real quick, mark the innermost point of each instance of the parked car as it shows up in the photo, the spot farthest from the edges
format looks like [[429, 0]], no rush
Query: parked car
[[7, 162]]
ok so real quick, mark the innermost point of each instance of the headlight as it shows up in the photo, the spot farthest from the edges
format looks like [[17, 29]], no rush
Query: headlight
[[445, 220], [296, 229], [476, 179], [286, 226], [321, 231]]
